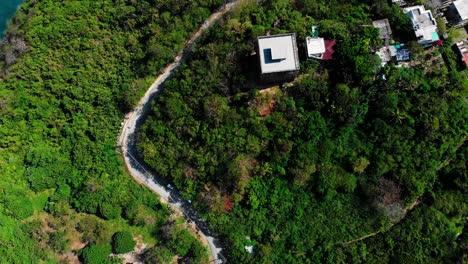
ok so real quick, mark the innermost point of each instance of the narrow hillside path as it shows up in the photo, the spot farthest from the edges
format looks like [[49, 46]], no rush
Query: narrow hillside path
[[137, 168], [406, 210], [412, 205]]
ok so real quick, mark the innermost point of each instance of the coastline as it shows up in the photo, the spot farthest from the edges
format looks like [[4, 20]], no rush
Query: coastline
[[10, 16]]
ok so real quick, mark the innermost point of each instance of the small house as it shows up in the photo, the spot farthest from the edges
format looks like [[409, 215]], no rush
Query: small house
[[400, 52], [399, 2], [319, 48], [279, 60], [385, 33]]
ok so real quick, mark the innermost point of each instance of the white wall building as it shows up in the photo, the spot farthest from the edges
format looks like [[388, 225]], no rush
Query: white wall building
[[278, 56], [315, 47], [319, 48], [424, 24], [461, 8]]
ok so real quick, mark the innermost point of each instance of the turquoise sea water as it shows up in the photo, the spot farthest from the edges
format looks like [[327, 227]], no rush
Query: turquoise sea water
[[7, 10]]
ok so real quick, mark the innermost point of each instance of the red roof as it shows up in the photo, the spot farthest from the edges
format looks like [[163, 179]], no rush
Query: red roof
[[266, 111], [438, 42], [465, 58], [228, 204], [329, 44]]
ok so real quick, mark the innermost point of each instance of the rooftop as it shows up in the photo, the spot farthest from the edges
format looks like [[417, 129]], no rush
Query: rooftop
[[462, 8], [329, 44], [249, 249], [463, 49], [399, 2], [384, 55], [315, 46], [319, 48], [400, 52], [278, 53], [438, 5], [420, 16], [424, 24], [402, 55], [384, 28]]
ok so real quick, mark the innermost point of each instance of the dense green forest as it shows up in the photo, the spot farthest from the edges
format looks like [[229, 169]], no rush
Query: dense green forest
[[344, 155], [69, 72]]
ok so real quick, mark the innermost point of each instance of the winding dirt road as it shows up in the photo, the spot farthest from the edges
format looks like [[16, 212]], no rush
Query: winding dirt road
[[137, 169]]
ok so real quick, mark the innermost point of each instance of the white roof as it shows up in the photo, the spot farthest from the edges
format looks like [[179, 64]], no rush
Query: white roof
[[278, 53], [315, 46], [399, 2], [424, 24], [384, 54], [462, 8], [392, 51], [249, 249]]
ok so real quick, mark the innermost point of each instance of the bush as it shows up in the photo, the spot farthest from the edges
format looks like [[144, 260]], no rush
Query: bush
[[109, 211], [58, 241], [122, 242], [131, 211], [95, 254], [158, 254], [20, 207], [39, 179], [198, 253]]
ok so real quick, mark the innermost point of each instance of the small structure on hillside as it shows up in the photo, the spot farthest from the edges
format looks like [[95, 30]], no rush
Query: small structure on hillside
[[424, 24], [460, 9], [399, 2], [319, 48], [384, 55], [462, 47], [385, 33], [249, 248], [279, 60], [402, 54], [399, 52], [438, 6]]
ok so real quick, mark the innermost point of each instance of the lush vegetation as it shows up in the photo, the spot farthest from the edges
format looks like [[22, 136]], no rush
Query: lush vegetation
[[178, 241], [122, 242], [344, 154], [95, 254], [68, 74], [350, 149]]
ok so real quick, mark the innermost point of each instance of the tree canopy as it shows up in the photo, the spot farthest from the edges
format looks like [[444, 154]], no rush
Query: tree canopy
[[69, 71], [342, 155]]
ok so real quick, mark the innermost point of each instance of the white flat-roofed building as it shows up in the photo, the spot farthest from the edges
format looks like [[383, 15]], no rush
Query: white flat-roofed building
[[461, 8], [424, 24], [278, 56], [315, 47], [319, 48]]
